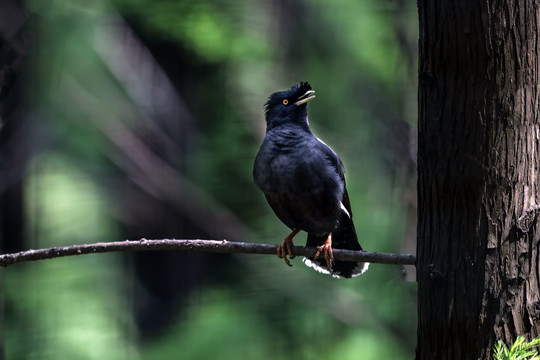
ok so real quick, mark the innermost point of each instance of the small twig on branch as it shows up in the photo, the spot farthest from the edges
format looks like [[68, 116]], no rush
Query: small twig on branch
[[219, 246]]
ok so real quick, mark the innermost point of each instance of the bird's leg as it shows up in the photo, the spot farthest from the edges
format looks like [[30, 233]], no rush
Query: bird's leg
[[328, 255], [286, 247]]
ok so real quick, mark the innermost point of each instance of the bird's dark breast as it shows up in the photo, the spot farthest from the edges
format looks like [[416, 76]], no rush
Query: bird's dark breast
[[316, 214], [303, 193]]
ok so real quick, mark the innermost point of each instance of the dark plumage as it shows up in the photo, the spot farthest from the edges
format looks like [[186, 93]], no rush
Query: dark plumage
[[303, 181]]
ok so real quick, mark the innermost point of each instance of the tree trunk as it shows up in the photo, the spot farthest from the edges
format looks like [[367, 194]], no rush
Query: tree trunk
[[478, 167]]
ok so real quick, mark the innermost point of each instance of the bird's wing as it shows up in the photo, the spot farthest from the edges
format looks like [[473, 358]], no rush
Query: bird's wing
[[344, 237], [332, 157], [336, 162]]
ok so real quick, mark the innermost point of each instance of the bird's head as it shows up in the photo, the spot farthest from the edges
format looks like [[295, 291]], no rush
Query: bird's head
[[289, 106]]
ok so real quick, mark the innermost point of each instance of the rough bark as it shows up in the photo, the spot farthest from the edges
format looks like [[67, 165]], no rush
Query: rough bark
[[478, 228]]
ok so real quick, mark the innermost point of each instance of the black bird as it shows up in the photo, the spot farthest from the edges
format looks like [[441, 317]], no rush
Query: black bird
[[304, 183]]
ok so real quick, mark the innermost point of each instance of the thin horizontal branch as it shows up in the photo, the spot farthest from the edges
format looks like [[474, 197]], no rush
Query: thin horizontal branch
[[218, 246]]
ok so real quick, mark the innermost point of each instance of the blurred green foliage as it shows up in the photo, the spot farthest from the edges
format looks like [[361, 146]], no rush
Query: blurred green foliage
[[237, 53]]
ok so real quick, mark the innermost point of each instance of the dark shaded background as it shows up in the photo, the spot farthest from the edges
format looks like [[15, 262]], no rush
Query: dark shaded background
[[128, 119]]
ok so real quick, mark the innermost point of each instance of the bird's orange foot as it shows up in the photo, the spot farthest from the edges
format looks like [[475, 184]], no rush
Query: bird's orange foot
[[328, 255], [286, 247]]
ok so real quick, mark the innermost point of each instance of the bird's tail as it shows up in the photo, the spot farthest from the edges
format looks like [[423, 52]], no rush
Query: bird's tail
[[343, 238]]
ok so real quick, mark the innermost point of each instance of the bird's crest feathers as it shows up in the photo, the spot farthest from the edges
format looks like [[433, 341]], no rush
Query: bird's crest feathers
[[295, 92]]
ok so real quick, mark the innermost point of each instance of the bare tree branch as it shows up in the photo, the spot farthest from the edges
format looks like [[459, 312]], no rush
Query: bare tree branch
[[219, 246]]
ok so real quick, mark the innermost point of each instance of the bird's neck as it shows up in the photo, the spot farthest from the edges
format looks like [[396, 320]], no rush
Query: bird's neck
[[302, 125], [290, 135], [289, 128]]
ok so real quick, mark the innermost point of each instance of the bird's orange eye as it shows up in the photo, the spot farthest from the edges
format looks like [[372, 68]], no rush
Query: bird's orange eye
[[285, 102]]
